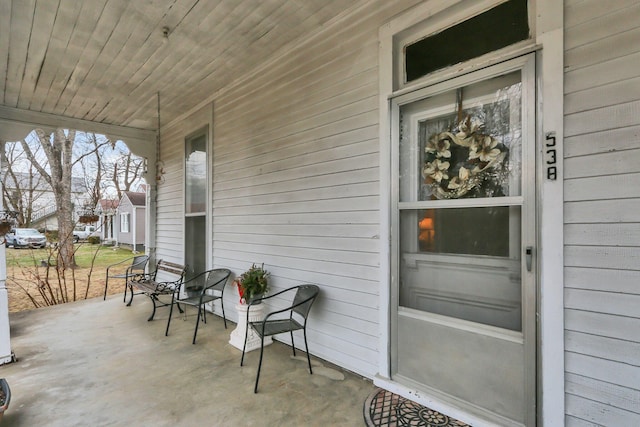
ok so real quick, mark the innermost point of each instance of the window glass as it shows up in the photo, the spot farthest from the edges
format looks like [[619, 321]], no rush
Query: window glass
[[124, 222], [462, 263], [195, 231], [465, 143], [196, 174], [496, 28], [195, 244], [473, 231]]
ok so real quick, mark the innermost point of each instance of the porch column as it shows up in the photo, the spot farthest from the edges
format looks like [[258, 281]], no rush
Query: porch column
[[5, 340], [11, 129], [6, 355]]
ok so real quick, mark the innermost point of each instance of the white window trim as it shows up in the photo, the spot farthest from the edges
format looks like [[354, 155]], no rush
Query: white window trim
[[125, 223], [547, 29], [205, 129]]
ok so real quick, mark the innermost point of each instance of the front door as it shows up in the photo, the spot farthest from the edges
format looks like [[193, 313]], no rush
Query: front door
[[464, 291]]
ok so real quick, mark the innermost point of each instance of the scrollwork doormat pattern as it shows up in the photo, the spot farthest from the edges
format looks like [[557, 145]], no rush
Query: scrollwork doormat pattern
[[385, 409]]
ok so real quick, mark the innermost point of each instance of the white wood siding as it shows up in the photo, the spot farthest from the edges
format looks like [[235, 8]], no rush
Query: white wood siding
[[140, 225], [296, 181], [125, 207], [602, 212]]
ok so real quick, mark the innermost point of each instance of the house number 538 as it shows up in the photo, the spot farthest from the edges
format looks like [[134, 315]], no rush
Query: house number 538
[[550, 157]]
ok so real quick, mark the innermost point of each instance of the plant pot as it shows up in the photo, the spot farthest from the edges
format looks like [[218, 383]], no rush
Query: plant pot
[[5, 396], [244, 300], [237, 337], [88, 219]]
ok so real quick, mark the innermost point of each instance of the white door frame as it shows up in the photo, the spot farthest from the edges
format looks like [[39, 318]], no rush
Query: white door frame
[[546, 23]]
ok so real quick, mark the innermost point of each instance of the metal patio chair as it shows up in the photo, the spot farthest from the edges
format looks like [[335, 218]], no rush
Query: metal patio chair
[[298, 311], [138, 266], [199, 291]]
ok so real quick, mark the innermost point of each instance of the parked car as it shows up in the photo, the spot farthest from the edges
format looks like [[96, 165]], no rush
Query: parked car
[[83, 232], [25, 238]]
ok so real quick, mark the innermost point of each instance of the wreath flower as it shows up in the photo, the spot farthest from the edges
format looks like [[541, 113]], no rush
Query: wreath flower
[[484, 148], [465, 162], [437, 170], [460, 180], [440, 143]]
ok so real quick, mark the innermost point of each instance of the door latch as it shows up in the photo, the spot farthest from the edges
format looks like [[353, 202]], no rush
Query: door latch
[[529, 257]]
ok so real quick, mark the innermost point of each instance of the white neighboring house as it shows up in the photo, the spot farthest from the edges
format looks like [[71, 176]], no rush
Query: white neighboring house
[[43, 200], [132, 222]]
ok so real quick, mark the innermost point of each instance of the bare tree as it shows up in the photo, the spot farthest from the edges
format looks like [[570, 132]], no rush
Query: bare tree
[[46, 164], [23, 185], [91, 153], [125, 171], [53, 159], [58, 150]]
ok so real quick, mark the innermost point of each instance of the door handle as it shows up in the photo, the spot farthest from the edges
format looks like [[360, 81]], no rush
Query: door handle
[[529, 257]]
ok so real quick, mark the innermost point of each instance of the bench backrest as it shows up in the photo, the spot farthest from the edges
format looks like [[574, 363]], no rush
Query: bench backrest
[[166, 268]]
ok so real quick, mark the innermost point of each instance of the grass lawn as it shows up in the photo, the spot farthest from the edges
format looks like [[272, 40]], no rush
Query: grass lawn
[[106, 255], [31, 284]]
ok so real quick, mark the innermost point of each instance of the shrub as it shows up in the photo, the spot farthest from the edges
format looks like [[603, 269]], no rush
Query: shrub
[[93, 240]]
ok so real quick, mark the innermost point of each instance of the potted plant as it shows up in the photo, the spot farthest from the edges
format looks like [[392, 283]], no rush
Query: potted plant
[[88, 216], [7, 221], [252, 284], [88, 219]]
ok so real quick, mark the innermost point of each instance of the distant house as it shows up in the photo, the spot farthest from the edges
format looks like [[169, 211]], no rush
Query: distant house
[[132, 213], [42, 198], [107, 210]]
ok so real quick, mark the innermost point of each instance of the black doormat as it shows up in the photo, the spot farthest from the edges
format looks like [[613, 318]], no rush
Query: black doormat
[[383, 408]]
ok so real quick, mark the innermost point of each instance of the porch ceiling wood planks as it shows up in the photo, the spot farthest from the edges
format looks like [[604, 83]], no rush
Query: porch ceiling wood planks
[[105, 60], [71, 46], [16, 54]]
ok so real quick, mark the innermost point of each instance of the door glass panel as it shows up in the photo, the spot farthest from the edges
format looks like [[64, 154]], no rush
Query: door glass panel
[[462, 263], [466, 231], [465, 143]]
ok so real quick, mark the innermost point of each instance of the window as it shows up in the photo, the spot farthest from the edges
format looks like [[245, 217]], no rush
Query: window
[[494, 29], [196, 174], [124, 222], [195, 203]]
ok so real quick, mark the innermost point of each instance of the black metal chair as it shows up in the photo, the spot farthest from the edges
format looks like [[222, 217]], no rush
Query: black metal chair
[[200, 290], [304, 297], [138, 265]]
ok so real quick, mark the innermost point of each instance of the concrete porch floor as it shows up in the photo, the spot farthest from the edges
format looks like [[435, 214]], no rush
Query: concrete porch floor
[[100, 363]]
